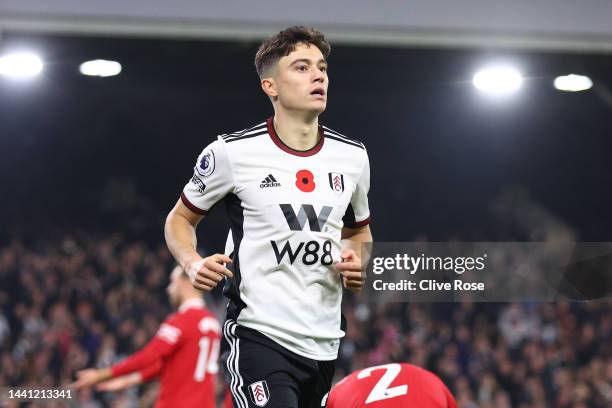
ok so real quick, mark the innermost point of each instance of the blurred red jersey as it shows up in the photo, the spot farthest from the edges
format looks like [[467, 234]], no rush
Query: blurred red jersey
[[227, 401], [391, 386], [185, 349]]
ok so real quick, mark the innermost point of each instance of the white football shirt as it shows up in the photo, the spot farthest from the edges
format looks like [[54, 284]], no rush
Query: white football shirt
[[287, 209]]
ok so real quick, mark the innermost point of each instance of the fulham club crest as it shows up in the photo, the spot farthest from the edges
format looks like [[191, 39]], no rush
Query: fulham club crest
[[336, 182], [260, 395]]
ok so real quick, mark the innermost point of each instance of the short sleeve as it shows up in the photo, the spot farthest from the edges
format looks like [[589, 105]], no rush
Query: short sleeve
[[358, 211], [212, 179]]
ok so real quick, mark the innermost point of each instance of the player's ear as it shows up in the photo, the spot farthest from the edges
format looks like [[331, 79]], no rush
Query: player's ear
[[269, 87]]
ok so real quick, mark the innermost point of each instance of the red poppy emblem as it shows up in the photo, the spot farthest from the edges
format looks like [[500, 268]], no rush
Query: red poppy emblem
[[304, 180]]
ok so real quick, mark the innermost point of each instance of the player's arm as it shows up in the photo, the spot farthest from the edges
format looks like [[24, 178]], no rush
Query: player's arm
[[130, 380], [210, 182], [91, 376], [152, 371], [353, 238], [205, 273], [354, 259], [155, 350], [120, 383], [180, 233]]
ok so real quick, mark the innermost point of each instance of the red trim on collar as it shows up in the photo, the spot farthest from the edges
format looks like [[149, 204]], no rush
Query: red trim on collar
[[302, 153]]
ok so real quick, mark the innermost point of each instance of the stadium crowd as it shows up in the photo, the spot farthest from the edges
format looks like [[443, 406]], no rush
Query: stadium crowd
[[88, 301]]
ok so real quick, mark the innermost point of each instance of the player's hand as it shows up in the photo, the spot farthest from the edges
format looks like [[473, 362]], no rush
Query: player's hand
[[90, 376], [120, 383], [351, 271], [206, 273]]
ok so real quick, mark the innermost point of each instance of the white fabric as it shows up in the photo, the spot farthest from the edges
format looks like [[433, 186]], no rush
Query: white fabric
[[293, 303]]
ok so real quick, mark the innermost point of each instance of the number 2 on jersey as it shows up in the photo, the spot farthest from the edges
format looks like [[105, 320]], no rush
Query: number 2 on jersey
[[207, 363], [381, 390]]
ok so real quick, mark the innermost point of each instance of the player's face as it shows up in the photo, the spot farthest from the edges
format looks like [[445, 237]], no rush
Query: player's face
[[301, 80]]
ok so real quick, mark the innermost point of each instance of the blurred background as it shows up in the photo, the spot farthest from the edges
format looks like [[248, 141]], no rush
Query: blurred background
[[484, 121]]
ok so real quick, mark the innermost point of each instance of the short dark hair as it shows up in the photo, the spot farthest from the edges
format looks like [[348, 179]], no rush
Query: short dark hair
[[284, 43]]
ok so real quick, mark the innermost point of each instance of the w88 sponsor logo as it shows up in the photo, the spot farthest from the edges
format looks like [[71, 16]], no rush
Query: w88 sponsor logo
[[312, 252]]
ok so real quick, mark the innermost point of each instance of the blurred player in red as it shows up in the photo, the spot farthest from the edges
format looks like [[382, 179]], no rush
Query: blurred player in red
[[184, 353], [391, 386]]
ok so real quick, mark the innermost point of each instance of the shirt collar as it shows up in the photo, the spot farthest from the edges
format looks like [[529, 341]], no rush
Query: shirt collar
[[302, 153]]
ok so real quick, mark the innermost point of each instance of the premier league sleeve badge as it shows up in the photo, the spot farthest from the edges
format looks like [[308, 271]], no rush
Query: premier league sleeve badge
[[206, 164]]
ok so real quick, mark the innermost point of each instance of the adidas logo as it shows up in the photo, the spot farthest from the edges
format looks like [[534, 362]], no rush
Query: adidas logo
[[269, 181]]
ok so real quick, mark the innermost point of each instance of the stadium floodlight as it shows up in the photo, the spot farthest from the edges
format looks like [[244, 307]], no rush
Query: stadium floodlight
[[573, 83], [100, 68], [498, 80], [20, 65]]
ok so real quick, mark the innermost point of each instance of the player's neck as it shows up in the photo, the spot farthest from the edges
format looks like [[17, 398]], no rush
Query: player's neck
[[191, 301], [297, 131]]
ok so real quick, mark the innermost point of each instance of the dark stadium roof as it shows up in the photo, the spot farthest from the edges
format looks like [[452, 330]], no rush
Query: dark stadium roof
[[78, 151]]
